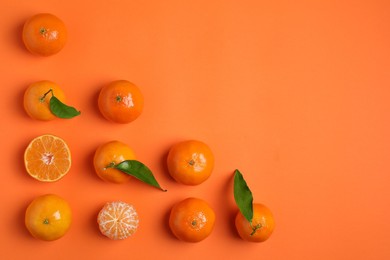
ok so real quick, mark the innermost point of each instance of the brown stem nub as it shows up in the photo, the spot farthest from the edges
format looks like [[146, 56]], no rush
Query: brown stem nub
[[255, 228], [44, 95]]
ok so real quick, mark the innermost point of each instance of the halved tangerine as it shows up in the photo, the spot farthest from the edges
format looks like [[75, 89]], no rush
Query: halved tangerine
[[47, 158]]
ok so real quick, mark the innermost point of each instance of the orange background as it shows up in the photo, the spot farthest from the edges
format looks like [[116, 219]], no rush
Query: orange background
[[295, 94]]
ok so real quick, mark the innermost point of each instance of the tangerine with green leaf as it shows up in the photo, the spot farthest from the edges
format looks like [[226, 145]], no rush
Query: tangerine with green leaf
[[260, 228], [254, 221], [37, 103], [44, 100], [108, 155], [115, 162]]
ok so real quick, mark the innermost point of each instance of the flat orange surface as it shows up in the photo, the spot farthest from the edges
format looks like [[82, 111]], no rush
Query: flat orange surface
[[295, 94]]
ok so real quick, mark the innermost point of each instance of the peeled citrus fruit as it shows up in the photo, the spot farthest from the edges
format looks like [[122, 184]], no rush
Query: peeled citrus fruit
[[118, 220]]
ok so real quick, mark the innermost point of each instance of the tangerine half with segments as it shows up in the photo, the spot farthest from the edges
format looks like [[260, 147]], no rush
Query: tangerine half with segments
[[47, 158]]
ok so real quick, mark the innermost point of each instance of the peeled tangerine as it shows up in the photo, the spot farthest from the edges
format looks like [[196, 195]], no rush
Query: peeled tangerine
[[118, 220]]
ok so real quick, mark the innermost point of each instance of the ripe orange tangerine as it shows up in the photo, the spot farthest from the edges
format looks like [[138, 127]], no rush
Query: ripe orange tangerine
[[36, 99], [192, 220], [190, 162], [121, 101], [112, 152], [48, 217], [262, 225], [118, 220], [47, 158], [44, 34]]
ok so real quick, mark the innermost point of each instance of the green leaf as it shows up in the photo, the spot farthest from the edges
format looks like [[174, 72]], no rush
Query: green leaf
[[61, 110], [243, 196], [139, 171]]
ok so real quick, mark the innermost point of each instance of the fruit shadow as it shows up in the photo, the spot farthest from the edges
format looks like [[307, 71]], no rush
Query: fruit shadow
[[19, 167], [94, 102], [15, 36], [17, 101], [165, 225], [20, 217], [164, 167], [230, 206], [93, 225]]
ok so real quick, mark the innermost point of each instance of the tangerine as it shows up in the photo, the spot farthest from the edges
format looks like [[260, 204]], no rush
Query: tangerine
[[118, 220], [48, 217], [121, 101], [262, 225], [192, 220], [47, 158], [190, 162], [37, 103], [44, 34], [109, 154]]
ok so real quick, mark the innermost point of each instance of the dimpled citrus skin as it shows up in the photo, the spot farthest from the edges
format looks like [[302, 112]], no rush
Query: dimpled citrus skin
[[121, 101], [36, 105], [44, 34], [112, 152], [190, 162], [192, 220], [262, 218], [48, 217]]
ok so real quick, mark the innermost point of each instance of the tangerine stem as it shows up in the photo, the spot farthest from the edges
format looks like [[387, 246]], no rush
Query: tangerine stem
[[111, 165], [255, 228], [44, 95]]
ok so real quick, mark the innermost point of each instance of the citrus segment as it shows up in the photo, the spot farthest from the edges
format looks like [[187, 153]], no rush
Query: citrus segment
[[47, 158], [118, 220]]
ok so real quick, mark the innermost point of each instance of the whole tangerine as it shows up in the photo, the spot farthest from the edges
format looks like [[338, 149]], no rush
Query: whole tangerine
[[48, 217], [44, 34], [109, 154], [36, 99], [262, 225], [190, 162], [192, 220], [121, 101]]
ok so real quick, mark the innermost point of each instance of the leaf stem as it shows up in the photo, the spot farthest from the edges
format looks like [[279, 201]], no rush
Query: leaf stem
[[44, 95]]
